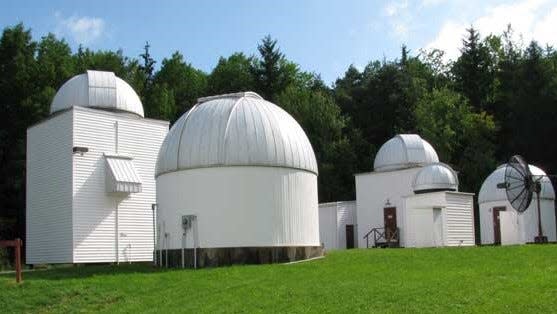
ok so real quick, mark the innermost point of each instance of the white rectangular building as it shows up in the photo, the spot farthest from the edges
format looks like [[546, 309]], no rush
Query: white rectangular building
[[438, 219], [337, 225], [90, 180]]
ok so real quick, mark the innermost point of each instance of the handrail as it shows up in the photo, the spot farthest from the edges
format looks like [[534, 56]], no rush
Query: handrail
[[389, 237]]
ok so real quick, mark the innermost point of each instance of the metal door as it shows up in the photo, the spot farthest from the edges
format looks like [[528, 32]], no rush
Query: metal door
[[349, 236], [497, 225], [389, 214]]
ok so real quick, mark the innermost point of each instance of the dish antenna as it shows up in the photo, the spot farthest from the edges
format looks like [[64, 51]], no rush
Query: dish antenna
[[520, 185]]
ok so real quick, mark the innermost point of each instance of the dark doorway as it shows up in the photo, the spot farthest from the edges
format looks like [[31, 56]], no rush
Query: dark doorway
[[390, 222], [349, 236], [497, 225]]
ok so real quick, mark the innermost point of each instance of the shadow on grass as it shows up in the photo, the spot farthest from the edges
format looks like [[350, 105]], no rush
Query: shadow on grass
[[85, 271]]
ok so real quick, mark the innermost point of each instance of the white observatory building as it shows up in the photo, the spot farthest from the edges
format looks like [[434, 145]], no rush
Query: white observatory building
[[236, 183], [91, 175], [500, 223], [412, 199]]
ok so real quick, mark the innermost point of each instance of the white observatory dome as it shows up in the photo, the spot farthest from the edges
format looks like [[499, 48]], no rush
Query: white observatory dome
[[97, 89], [244, 170], [435, 177], [490, 193], [404, 151], [239, 129]]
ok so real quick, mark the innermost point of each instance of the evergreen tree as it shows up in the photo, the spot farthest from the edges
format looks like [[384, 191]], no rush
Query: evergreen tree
[[273, 72], [148, 65], [18, 72], [474, 72]]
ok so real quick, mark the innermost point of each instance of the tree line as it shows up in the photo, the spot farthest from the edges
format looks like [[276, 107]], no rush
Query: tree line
[[498, 98]]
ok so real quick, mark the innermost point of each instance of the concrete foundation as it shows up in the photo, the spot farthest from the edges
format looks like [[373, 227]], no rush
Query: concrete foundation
[[215, 257]]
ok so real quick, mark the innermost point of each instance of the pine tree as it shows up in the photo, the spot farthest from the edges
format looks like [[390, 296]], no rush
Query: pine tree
[[148, 66], [474, 72], [271, 70]]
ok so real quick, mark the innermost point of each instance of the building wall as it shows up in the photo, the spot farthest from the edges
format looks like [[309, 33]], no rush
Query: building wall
[[372, 192], [510, 228], [107, 223], [333, 218], [240, 207], [49, 191], [528, 220], [418, 220], [328, 228], [459, 219], [452, 226]]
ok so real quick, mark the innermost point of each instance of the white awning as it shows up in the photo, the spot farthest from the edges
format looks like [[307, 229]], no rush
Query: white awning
[[121, 176]]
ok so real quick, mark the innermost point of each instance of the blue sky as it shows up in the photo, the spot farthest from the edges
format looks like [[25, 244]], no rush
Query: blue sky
[[321, 36]]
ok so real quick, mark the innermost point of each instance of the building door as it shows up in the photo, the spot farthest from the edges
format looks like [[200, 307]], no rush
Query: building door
[[349, 236], [497, 225], [389, 214]]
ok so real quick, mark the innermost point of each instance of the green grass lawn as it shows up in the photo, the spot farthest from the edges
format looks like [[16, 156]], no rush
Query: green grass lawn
[[482, 279]]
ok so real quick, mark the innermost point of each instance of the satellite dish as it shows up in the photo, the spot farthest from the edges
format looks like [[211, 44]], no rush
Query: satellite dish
[[520, 185]]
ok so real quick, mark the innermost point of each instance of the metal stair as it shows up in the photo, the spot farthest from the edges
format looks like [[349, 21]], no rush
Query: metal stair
[[383, 238]]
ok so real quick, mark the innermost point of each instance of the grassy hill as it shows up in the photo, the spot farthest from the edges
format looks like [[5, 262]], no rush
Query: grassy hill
[[482, 279]]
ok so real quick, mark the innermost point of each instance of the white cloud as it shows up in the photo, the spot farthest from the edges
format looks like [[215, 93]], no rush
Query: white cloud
[[400, 29], [393, 8], [530, 19], [448, 39], [81, 29], [544, 31], [399, 18]]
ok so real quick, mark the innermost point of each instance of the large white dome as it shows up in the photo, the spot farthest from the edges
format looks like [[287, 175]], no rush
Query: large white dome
[[490, 193], [239, 129], [404, 151], [97, 89], [435, 177]]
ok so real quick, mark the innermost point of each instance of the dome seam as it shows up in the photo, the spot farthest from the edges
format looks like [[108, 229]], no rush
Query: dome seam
[[188, 114], [225, 157]]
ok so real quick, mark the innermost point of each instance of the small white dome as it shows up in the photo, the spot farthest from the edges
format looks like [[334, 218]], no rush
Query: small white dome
[[435, 177], [404, 151], [239, 129], [490, 193], [97, 89]]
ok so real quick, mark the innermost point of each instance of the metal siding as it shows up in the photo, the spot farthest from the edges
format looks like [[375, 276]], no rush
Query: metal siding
[[142, 141], [236, 131], [49, 191], [345, 216], [94, 210], [102, 89], [328, 229], [241, 206], [459, 220]]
